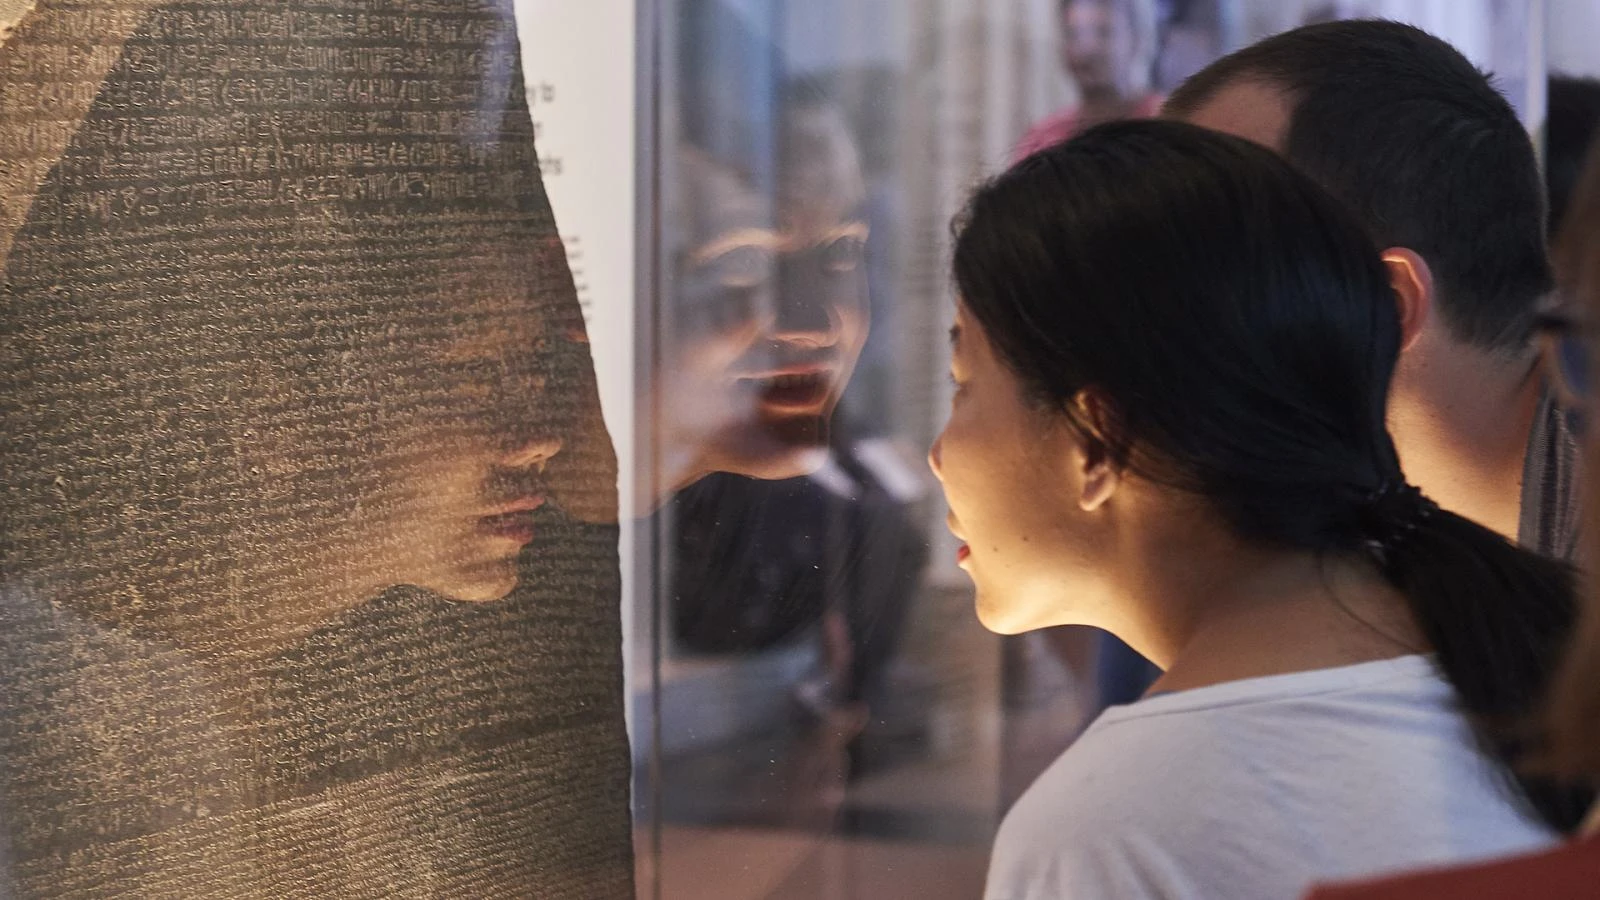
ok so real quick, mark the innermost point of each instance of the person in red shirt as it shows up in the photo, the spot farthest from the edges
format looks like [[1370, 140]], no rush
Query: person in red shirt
[[1108, 47], [1572, 723]]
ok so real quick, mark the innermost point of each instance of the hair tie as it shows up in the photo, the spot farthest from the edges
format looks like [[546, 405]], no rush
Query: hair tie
[[1392, 514]]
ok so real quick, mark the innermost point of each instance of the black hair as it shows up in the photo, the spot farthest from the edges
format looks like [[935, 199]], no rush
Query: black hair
[[1570, 127], [1240, 326], [1418, 143]]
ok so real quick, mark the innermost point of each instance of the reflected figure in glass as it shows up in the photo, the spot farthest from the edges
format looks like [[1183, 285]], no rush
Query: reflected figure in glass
[[785, 534], [770, 313]]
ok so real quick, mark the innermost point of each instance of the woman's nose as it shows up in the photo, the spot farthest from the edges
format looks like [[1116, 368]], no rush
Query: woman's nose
[[534, 453], [933, 457], [806, 322], [810, 307]]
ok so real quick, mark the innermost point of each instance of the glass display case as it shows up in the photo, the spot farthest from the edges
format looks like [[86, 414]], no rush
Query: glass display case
[[826, 716], [471, 448]]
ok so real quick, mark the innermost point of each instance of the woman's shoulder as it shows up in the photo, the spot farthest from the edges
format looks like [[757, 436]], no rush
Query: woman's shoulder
[[1236, 758], [1259, 784], [1140, 763], [1566, 873], [1135, 808]]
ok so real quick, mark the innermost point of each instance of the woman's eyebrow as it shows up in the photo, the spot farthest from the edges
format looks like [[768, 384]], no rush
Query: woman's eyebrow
[[733, 240], [854, 228]]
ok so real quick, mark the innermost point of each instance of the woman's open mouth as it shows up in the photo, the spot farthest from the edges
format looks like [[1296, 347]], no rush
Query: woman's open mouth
[[513, 526], [514, 521], [792, 392]]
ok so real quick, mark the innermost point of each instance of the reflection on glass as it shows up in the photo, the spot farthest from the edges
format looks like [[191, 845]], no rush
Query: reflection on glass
[[770, 312], [767, 627], [293, 364], [770, 317], [791, 537]]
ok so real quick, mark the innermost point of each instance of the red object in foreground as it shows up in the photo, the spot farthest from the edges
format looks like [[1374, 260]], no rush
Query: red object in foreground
[[1570, 872]]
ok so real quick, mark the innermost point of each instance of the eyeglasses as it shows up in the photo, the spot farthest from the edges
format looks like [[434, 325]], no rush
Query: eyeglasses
[[1567, 348]]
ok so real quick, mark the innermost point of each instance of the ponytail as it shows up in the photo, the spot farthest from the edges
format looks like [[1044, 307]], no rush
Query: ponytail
[[1497, 617]]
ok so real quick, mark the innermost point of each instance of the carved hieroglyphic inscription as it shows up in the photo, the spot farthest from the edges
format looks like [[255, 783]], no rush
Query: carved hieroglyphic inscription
[[293, 393]]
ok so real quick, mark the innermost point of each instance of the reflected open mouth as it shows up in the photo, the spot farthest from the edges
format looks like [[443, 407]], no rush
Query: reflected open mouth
[[513, 521], [515, 526], [792, 392]]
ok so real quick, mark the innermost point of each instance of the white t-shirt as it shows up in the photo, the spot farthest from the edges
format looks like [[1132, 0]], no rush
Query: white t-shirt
[[1260, 787]]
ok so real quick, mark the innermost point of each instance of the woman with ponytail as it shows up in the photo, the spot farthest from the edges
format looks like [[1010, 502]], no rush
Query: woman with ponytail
[[1171, 359]]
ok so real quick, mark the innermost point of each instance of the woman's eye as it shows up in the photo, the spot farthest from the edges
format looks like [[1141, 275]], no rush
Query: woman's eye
[[741, 267], [732, 307]]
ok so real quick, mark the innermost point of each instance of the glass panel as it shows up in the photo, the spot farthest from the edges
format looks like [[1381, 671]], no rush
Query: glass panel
[[310, 554], [826, 702], [830, 718]]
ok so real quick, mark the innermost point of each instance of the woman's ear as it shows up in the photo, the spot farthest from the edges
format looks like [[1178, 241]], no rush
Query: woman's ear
[[1412, 281], [1096, 462]]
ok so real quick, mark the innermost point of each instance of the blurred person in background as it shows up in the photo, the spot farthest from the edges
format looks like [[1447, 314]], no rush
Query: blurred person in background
[[1172, 359], [1572, 719], [1108, 49], [1192, 35]]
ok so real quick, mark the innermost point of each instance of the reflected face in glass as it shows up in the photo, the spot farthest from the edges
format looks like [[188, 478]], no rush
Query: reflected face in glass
[[463, 500], [319, 393], [1005, 467], [771, 307], [464, 416], [1097, 44]]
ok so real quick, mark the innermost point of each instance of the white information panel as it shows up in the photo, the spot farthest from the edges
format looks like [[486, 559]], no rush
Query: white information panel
[[579, 62], [578, 59]]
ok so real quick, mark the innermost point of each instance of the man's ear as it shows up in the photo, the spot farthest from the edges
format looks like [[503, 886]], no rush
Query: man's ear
[[1412, 281], [1096, 462]]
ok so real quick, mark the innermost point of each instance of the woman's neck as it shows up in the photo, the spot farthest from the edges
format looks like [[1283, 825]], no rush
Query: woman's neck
[[1227, 611]]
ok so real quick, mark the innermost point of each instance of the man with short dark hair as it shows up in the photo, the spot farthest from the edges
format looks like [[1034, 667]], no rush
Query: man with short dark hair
[[1416, 140]]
